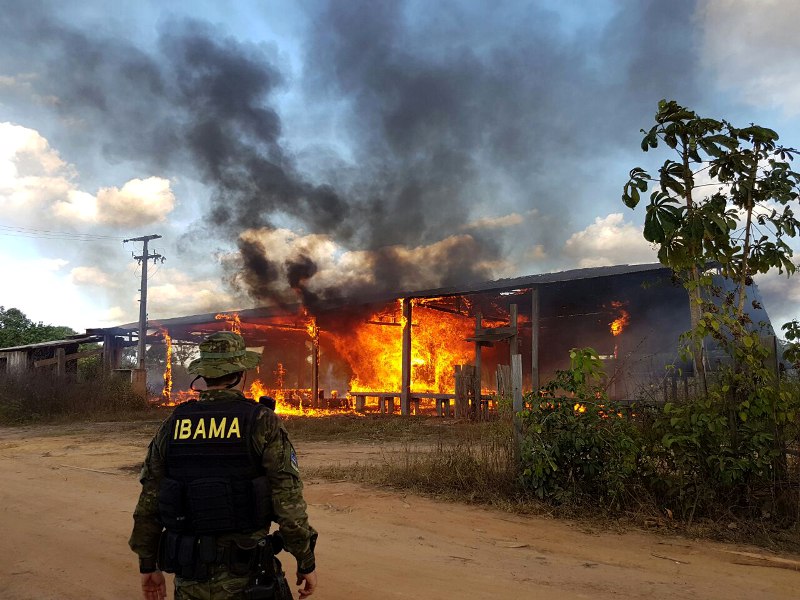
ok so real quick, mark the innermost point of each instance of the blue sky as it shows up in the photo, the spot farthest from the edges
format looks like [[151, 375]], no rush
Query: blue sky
[[352, 144]]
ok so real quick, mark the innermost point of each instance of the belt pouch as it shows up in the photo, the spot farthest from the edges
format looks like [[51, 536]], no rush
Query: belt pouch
[[168, 551], [186, 549], [207, 549], [243, 557], [172, 505]]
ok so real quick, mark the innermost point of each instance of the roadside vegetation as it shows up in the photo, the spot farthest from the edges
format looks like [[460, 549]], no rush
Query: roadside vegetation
[[27, 399], [727, 457], [678, 467]]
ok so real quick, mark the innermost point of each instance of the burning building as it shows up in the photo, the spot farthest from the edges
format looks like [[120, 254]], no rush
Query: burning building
[[359, 354]]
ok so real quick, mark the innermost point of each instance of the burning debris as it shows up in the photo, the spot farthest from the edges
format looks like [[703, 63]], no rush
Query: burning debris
[[234, 323], [166, 394], [619, 324]]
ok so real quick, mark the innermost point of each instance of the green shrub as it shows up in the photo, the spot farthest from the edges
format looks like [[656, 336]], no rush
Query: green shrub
[[577, 445]]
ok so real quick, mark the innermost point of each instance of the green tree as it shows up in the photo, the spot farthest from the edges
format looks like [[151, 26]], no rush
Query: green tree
[[791, 350], [754, 184], [736, 435], [16, 329]]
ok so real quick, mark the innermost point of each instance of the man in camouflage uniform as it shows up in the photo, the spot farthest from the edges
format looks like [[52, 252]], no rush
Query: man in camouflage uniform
[[193, 531]]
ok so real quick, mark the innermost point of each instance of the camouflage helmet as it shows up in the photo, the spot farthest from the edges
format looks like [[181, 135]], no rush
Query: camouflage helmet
[[221, 354]]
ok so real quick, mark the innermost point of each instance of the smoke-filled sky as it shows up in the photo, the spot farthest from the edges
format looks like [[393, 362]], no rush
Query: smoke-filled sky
[[349, 147]]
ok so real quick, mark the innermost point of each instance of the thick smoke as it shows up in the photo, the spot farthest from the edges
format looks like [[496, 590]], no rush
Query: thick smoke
[[448, 109]]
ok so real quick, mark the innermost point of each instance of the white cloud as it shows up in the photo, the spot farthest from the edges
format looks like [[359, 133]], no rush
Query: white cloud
[[173, 292], [751, 47], [92, 276], [781, 297], [36, 183], [139, 202], [40, 288], [609, 241], [114, 315]]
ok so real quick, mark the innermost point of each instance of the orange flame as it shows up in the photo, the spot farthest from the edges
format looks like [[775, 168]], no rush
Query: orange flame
[[619, 324], [283, 405], [166, 394], [280, 373], [374, 351], [233, 321], [311, 326]]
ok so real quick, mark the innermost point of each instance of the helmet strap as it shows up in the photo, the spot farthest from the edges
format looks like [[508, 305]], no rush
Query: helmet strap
[[233, 384], [191, 385]]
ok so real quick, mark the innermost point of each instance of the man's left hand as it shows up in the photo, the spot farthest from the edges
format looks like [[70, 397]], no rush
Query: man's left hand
[[154, 586], [309, 583]]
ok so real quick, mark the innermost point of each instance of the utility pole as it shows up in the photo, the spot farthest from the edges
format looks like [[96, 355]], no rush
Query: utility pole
[[142, 260]]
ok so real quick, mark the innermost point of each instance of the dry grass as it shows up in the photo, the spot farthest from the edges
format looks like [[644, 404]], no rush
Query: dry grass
[[371, 428], [468, 462], [38, 399], [474, 463]]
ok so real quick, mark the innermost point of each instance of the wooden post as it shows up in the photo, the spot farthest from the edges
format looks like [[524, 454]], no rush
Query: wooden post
[[405, 383], [465, 387], [315, 370], [61, 365], [458, 377], [477, 399], [535, 340], [516, 382], [108, 353], [17, 361], [514, 342], [516, 390]]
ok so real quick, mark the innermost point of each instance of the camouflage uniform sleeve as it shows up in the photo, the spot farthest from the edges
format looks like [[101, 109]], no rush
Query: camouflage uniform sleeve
[[280, 462], [146, 525]]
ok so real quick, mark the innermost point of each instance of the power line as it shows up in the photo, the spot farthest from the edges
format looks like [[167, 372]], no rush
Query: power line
[[30, 232]]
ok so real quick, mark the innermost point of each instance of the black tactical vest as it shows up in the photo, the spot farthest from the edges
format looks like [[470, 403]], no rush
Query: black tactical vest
[[214, 482]]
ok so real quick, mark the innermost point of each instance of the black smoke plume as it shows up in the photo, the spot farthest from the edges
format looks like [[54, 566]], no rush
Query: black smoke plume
[[453, 111]]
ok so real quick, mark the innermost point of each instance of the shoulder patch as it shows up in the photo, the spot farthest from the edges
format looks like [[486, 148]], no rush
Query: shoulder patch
[[293, 460]]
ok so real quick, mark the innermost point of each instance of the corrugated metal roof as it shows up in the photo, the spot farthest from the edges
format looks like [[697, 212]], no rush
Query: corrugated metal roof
[[527, 281], [85, 339], [498, 285]]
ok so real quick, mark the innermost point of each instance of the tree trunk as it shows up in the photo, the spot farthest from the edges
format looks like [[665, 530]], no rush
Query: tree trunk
[[747, 232], [695, 314]]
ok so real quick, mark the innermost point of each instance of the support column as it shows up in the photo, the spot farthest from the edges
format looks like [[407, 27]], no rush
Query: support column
[[477, 405], [514, 343], [535, 340], [517, 403], [18, 362], [112, 353], [61, 364], [405, 383], [315, 369]]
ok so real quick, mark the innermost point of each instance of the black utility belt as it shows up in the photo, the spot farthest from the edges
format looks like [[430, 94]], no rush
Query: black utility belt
[[215, 505], [196, 557]]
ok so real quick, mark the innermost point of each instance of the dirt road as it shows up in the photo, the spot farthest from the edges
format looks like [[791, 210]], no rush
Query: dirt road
[[64, 530]]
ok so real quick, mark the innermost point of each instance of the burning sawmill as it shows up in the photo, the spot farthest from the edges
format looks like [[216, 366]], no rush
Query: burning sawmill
[[407, 352]]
